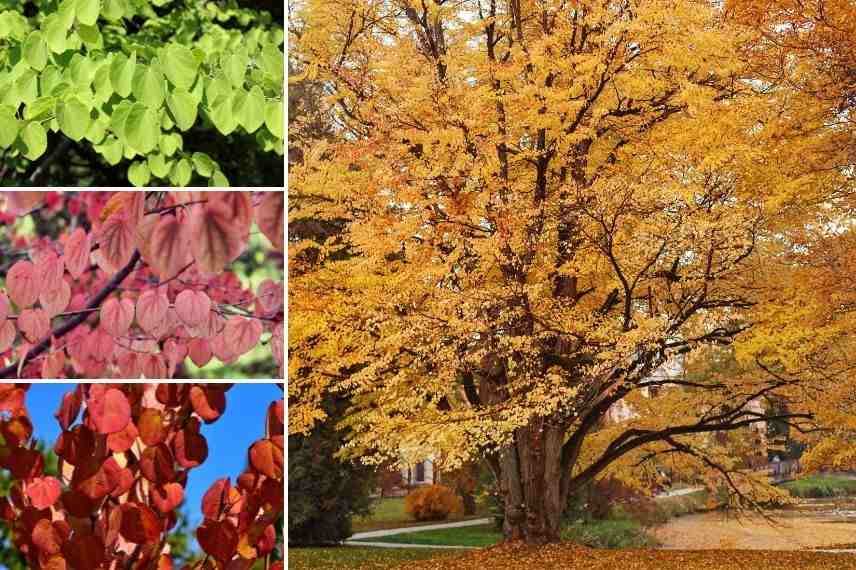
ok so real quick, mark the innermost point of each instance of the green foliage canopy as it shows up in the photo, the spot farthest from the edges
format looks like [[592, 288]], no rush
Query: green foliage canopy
[[129, 78]]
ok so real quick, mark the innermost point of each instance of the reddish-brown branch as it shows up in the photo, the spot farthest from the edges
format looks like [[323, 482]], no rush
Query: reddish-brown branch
[[69, 325]]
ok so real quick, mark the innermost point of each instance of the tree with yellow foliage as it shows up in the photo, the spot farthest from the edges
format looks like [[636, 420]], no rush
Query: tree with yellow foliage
[[525, 209]]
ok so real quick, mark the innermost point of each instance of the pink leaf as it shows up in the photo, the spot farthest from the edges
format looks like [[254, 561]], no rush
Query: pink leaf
[[7, 335], [242, 333], [34, 324], [170, 247], [23, 284], [270, 216], [53, 364], [215, 240], [116, 242], [110, 410], [200, 351], [117, 316], [270, 296], [77, 252], [5, 308], [152, 310], [49, 270], [192, 307], [56, 300], [43, 492]]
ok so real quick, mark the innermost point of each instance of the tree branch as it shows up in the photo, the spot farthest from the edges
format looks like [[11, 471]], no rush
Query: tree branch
[[68, 326]]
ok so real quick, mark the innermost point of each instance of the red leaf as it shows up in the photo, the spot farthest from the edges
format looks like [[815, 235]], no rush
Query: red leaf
[[208, 402], [157, 464], [43, 492], [242, 334], [117, 316], [84, 551], [169, 249], [116, 242], [139, 524], [7, 335], [25, 463], [152, 308], [77, 252], [168, 497], [215, 240], [216, 499], [218, 539], [151, 426], [171, 395], [270, 216], [46, 537], [34, 324], [122, 440], [200, 351], [110, 412], [191, 448], [68, 409], [192, 307], [267, 458], [23, 284], [275, 419]]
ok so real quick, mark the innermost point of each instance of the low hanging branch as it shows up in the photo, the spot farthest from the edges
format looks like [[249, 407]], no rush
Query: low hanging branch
[[72, 323]]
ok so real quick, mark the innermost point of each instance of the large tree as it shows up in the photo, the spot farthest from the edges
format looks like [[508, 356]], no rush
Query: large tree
[[544, 203]]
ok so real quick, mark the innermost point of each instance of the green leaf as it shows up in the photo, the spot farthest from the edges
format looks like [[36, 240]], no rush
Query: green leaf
[[55, 32], [122, 73], [217, 88], [101, 83], [117, 119], [183, 108], [97, 130], [87, 11], [49, 79], [148, 86], [253, 114], [91, 36], [217, 179], [73, 118], [27, 87], [273, 118], [158, 165], [35, 140], [141, 128], [138, 174], [114, 10], [9, 126], [66, 13], [180, 66], [41, 108], [181, 173], [271, 62], [222, 116], [82, 70], [235, 66], [169, 143], [36, 51], [204, 164], [111, 150]]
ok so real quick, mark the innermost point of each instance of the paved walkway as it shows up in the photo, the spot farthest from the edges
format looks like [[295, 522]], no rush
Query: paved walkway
[[391, 531], [679, 492]]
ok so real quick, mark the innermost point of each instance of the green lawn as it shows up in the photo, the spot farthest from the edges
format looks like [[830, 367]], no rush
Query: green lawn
[[475, 536], [389, 513], [348, 557], [818, 486]]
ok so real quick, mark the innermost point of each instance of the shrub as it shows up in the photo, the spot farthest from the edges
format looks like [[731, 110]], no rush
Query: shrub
[[432, 503]]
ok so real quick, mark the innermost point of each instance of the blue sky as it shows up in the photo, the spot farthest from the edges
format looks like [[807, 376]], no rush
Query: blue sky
[[228, 438]]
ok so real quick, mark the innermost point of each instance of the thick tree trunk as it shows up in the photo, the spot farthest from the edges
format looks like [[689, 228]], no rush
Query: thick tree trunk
[[532, 484]]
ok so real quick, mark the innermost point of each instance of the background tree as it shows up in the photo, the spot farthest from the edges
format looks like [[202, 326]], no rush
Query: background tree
[[324, 494], [106, 93], [116, 286], [543, 203]]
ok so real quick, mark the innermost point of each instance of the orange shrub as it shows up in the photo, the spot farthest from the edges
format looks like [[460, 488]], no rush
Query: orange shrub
[[432, 503]]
